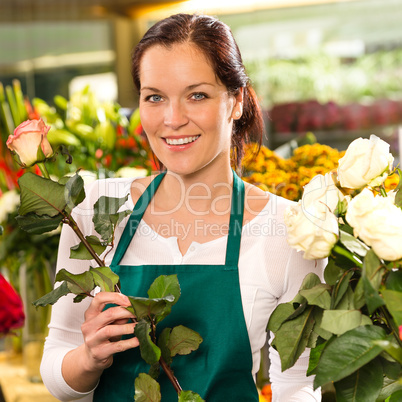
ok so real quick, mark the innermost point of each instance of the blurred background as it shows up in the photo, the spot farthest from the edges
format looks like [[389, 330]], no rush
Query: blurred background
[[326, 72], [317, 65]]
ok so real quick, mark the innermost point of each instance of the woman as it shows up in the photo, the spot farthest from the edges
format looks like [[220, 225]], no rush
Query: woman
[[225, 239]]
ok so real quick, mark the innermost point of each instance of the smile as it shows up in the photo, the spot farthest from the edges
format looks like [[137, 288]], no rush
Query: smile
[[181, 141]]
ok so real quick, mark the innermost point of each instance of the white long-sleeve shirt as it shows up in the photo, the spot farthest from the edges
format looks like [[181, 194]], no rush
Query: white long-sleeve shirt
[[270, 272]]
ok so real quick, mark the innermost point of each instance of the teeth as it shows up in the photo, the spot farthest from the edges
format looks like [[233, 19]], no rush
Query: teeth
[[181, 141]]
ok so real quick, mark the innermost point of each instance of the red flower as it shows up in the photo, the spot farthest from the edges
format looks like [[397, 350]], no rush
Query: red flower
[[11, 308]]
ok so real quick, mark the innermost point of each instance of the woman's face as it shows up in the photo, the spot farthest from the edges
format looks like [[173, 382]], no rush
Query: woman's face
[[185, 110]]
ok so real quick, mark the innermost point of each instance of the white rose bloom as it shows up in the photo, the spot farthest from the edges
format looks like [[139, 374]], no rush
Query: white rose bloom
[[313, 230], [366, 162], [9, 202], [322, 189], [378, 222]]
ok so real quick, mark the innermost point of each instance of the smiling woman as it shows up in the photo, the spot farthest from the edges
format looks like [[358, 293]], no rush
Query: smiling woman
[[198, 220]]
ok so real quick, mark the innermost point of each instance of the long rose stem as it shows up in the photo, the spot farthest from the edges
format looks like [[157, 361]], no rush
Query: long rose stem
[[170, 375], [71, 222]]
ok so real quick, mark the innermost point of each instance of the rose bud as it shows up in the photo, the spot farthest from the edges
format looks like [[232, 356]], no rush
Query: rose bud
[[27, 138]]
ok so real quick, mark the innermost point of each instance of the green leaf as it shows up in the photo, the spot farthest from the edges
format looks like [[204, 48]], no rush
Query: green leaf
[[332, 273], [394, 351], [347, 353], [74, 191], [189, 396], [312, 341], [77, 283], [165, 285], [53, 296], [347, 302], [183, 341], [80, 252], [35, 224], [318, 313], [149, 351], [363, 385], [143, 307], [340, 289], [373, 270], [103, 209], [40, 196], [291, 339], [105, 278], [394, 281], [155, 370], [389, 387], [146, 389], [340, 321], [315, 354], [358, 298], [163, 341], [396, 396], [373, 299], [352, 244], [279, 316], [318, 295], [393, 301]]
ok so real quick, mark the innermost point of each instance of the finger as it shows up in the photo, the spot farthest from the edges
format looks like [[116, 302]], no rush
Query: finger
[[95, 322], [101, 299], [104, 351]]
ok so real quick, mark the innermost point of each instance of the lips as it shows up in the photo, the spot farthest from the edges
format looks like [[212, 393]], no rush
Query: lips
[[182, 140]]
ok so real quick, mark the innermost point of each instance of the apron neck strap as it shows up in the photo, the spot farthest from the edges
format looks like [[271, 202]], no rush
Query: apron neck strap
[[135, 218], [235, 224]]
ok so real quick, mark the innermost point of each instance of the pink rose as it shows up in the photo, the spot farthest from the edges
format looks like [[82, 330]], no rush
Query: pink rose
[[27, 138]]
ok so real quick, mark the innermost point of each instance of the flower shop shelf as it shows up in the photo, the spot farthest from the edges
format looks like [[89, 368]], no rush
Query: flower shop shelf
[[15, 385]]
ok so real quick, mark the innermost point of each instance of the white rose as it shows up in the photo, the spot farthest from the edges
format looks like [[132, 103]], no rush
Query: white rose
[[9, 202], [378, 222], [313, 230], [322, 189], [366, 162]]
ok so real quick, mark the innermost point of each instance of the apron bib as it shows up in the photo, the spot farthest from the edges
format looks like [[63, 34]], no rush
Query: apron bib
[[210, 303]]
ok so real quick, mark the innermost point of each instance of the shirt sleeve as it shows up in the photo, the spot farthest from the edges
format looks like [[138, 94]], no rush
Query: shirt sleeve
[[65, 327]]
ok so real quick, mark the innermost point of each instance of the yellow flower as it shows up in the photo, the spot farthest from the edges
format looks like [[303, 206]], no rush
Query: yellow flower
[[391, 182], [291, 192]]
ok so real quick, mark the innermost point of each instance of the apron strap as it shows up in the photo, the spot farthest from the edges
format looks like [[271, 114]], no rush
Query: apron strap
[[135, 218], [235, 223]]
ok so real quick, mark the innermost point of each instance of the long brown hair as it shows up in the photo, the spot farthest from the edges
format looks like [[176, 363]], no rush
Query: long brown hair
[[216, 41]]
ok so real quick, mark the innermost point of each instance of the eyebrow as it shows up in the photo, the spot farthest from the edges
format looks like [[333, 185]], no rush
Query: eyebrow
[[189, 88]]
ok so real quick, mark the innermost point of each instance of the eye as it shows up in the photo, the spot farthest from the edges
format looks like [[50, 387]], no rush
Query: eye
[[198, 96], [153, 98]]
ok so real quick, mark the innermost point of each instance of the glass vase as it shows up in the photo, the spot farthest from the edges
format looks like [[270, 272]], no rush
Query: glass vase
[[34, 283]]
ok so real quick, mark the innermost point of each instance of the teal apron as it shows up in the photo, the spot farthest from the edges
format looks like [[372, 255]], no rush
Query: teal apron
[[210, 303]]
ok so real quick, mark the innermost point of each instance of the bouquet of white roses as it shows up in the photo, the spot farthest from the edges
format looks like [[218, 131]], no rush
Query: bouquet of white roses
[[352, 322]]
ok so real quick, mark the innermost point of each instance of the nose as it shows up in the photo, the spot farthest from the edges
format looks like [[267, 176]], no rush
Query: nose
[[175, 115]]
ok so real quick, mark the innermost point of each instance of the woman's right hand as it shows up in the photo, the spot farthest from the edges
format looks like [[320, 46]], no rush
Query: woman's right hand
[[103, 329]]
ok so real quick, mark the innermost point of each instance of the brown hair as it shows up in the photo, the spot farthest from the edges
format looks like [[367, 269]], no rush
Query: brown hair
[[215, 40]]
